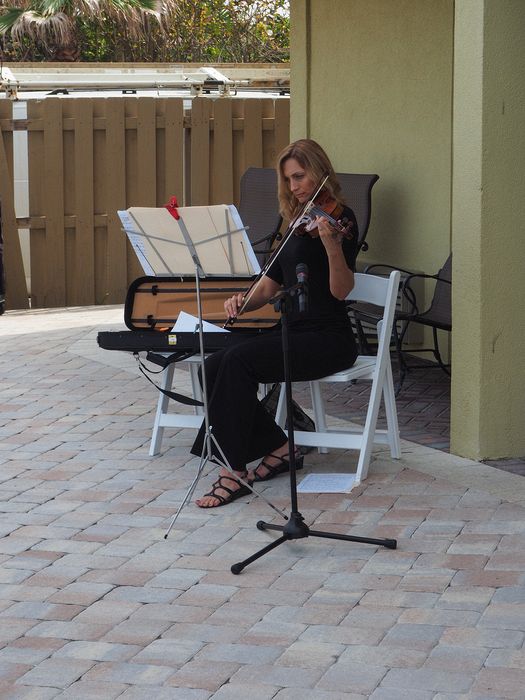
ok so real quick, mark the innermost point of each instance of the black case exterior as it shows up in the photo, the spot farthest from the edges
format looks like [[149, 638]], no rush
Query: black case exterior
[[153, 304], [153, 341]]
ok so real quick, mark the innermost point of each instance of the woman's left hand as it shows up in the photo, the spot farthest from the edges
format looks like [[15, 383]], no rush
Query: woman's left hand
[[331, 237]]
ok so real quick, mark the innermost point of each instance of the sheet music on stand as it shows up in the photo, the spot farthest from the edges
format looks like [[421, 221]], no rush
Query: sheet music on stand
[[212, 235]]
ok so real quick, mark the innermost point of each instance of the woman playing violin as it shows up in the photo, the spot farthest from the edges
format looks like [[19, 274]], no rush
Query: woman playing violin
[[320, 339]]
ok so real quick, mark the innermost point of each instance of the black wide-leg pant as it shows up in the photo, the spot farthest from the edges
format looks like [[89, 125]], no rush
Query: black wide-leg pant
[[242, 427]]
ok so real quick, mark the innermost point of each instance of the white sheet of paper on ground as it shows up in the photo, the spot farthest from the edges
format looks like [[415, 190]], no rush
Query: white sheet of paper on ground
[[326, 483], [186, 323]]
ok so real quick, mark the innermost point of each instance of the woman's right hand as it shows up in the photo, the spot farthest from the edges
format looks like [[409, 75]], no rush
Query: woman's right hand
[[233, 304]]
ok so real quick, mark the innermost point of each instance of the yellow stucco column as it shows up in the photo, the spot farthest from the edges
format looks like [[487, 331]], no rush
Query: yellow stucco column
[[300, 68], [488, 230]]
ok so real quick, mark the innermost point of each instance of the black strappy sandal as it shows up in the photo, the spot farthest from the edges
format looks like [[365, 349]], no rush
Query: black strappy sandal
[[281, 467], [232, 495]]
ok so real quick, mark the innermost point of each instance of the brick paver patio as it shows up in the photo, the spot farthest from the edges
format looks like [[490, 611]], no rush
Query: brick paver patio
[[95, 603]]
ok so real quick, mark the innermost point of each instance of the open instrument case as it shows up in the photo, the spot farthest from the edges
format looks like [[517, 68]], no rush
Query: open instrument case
[[153, 304]]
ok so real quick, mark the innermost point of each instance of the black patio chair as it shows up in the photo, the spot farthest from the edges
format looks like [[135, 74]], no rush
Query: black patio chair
[[259, 206], [259, 209], [437, 316], [357, 191]]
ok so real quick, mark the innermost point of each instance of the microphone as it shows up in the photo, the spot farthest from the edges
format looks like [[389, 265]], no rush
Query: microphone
[[301, 271]]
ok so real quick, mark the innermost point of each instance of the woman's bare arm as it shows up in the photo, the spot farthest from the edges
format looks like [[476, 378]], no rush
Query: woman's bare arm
[[264, 291], [341, 276]]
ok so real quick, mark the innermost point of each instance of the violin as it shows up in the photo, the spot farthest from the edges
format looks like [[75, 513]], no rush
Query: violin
[[325, 206]]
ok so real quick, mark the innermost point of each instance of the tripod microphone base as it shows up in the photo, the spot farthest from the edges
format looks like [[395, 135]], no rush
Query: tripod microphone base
[[296, 529]]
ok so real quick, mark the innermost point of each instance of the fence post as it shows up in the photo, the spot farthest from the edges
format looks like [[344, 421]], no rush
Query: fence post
[[15, 281]]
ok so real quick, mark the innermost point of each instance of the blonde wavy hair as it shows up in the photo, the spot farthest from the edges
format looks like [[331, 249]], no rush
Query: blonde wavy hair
[[312, 158]]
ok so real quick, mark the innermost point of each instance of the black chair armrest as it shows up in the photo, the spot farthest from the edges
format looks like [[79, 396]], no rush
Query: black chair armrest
[[408, 292], [409, 295], [369, 268], [413, 275]]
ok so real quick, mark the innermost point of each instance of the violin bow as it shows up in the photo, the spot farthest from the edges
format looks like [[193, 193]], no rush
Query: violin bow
[[286, 237]]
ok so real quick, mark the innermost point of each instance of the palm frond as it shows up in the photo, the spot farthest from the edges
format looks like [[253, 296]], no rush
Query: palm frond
[[55, 29], [51, 7], [9, 18], [52, 21], [127, 5]]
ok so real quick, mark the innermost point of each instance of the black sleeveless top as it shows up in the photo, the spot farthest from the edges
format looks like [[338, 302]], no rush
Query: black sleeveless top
[[324, 310]]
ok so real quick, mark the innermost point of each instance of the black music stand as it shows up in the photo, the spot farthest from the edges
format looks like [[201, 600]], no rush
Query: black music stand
[[296, 528], [225, 246]]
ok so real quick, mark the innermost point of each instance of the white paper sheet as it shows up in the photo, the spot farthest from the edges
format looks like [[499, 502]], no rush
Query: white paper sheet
[[326, 483], [187, 323], [136, 239]]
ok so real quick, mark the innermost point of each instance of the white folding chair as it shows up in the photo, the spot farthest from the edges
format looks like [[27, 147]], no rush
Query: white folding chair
[[164, 418], [381, 291], [175, 419]]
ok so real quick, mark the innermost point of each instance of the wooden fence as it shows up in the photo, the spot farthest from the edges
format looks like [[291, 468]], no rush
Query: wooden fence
[[89, 157]]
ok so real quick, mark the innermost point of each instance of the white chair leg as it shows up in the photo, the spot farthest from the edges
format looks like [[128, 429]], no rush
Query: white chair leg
[[319, 411], [263, 390], [162, 409], [391, 414], [365, 452], [280, 411]]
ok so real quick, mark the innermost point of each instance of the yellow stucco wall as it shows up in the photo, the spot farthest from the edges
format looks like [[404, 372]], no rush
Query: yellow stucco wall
[[430, 94], [488, 391], [372, 82]]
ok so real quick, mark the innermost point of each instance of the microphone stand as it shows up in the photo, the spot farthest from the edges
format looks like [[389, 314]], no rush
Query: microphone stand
[[296, 528]]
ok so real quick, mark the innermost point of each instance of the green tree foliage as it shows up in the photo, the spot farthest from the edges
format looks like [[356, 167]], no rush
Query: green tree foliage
[[186, 31]]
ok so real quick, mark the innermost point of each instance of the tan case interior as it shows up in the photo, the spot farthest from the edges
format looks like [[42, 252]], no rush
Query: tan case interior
[[155, 302]]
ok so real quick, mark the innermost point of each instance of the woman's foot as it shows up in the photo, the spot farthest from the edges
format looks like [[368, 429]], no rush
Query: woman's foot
[[225, 490], [276, 463]]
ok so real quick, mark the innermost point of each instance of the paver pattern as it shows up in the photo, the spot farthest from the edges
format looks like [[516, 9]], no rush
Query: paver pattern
[[95, 603]]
